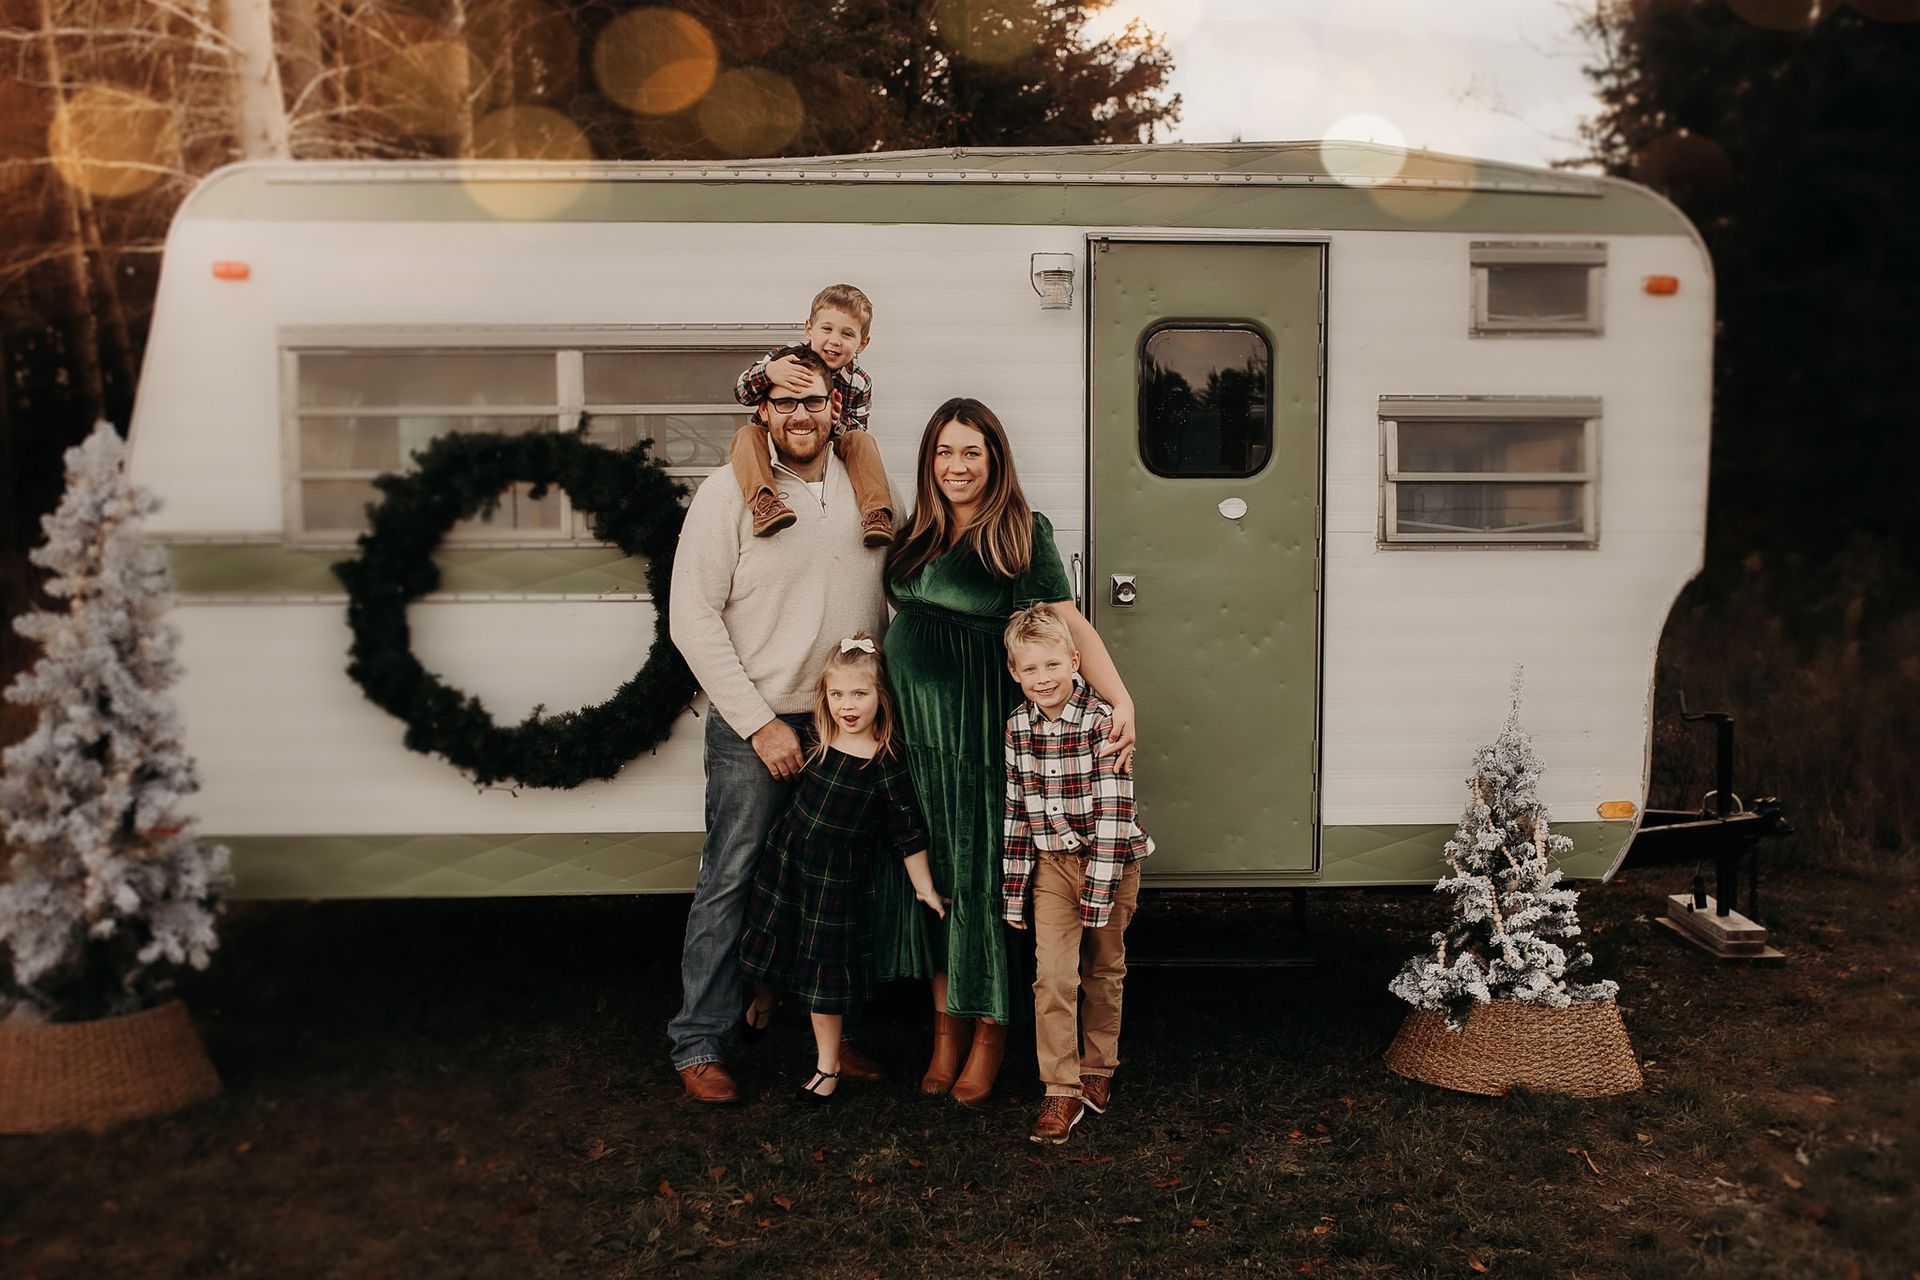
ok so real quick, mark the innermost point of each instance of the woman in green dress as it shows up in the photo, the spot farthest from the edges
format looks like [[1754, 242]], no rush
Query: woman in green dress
[[972, 553]]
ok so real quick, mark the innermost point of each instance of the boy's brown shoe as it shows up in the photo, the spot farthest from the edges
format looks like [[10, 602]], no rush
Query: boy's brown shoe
[[709, 1082], [876, 529], [1057, 1117], [856, 1065], [770, 515], [1097, 1091]]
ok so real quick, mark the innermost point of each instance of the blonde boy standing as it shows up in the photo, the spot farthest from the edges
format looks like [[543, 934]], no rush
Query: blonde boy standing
[[1071, 867]]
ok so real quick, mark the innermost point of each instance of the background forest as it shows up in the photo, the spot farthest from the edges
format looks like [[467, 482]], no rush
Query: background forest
[[1783, 130]]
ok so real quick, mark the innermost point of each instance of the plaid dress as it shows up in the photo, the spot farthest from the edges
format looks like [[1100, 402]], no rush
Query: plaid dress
[[809, 924]]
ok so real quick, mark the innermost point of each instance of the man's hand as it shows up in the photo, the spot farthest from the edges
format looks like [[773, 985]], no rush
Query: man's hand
[[778, 747], [789, 374]]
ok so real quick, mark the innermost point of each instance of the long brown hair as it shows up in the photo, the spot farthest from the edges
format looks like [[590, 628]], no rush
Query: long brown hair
[[860, 662], [1001, 533]]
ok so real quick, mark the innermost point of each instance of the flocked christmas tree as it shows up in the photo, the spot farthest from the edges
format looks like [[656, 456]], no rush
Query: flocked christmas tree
[[1513, 927], [105, 882]]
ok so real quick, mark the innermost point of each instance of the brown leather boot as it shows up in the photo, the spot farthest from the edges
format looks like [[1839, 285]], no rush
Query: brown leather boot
[[983, 1064], [950, 1037], [770, 515]]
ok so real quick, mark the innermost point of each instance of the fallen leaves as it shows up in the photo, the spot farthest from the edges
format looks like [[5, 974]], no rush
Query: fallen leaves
[[1793, 1183], [1474, 1264], [1582, 1153], [785, 1202], [599, 1150]]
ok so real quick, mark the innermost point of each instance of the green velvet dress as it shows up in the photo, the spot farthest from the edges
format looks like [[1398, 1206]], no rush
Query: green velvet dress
[[948, 668]]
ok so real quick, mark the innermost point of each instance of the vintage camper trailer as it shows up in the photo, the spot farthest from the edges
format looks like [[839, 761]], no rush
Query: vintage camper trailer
[[1334, 436]]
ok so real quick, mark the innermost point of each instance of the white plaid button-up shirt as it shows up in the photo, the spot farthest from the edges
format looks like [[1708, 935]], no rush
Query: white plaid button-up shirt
[[1063, 798]]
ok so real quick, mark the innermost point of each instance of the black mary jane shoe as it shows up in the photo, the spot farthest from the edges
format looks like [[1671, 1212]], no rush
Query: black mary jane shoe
[[750, 1034], [810, 1092]]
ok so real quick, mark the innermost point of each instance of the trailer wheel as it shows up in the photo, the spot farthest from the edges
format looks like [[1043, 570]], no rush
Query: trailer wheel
[[633, 504]]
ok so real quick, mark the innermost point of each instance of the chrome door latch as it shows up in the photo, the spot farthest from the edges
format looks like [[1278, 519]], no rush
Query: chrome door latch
[[1123, 592]]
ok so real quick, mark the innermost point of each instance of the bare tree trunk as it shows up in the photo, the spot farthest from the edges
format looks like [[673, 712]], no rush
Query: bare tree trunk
[[260, 107], [85, 351], [300, 42], [463, 86]]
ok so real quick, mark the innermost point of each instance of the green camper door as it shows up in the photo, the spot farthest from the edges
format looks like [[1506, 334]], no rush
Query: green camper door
[[1205, 393]]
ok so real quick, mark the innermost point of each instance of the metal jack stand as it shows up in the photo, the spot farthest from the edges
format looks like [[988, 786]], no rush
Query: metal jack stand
[[1727, 832]]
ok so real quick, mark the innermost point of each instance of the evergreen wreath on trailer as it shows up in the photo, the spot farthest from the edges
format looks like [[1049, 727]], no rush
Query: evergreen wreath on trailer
[[632, 503]]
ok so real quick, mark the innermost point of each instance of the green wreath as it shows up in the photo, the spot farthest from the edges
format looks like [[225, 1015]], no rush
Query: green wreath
[[633, 504]]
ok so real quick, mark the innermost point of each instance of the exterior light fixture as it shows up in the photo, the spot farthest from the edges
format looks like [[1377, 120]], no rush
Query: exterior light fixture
[[1053, 280]]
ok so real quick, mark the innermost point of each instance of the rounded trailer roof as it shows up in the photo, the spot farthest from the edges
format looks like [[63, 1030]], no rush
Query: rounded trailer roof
[[1270, 185]]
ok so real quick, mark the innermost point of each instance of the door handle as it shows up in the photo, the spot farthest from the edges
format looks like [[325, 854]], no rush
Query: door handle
[[1079, 585], [1122, 590]]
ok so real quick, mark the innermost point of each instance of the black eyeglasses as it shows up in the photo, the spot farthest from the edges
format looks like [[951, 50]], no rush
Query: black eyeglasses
[[787, 404]]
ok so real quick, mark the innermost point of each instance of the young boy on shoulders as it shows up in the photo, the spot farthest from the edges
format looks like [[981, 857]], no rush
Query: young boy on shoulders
[[838, 328], [1071, 867]]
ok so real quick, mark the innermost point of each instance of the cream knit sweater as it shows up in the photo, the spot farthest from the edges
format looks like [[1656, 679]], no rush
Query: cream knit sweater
[[754, 617]]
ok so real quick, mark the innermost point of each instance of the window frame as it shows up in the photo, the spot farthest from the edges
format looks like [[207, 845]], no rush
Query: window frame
[[1203, 326], [1485, 254], [1397, 410], [568, 345]]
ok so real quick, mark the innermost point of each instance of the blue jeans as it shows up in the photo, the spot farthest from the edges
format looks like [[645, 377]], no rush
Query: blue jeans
[[743, 800]]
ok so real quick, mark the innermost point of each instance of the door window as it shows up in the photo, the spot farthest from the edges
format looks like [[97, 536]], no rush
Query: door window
[[1205, 400]]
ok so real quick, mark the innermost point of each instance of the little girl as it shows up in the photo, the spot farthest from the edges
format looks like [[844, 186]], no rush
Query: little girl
[[809, 927]]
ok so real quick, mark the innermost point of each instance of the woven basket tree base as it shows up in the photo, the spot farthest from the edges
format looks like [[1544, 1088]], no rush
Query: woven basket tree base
[[87, 1075], [1581, 1050]]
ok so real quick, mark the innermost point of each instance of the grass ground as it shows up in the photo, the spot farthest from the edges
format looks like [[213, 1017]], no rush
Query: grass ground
[[480, 1089]]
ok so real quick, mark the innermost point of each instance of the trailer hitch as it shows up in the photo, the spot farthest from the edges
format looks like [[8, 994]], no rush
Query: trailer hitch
[[1726, 832]]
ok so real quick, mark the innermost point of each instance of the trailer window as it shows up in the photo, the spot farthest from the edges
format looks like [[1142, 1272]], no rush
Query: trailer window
[[1205, 393], [1464, 469], [1537, 288], [355, 414], [682, 400]]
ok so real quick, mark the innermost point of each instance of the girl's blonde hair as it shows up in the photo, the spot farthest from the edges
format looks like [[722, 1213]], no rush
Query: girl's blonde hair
[[855, 661], [1001, 535]]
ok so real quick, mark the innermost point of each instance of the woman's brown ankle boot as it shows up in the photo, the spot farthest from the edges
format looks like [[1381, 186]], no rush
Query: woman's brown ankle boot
[[950, 1036], [983, 1064]]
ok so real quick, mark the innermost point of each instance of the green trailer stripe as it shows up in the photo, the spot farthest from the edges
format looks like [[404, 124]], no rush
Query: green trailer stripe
[[484, 866], [256, 569], [479, 193]]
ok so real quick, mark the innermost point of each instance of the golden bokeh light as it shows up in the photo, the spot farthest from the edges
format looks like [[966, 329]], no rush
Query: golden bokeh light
[[989, 30], [526, 50], [110, 141], [1357, 166], [525, 132], [425, 86], [655, 61], [1451, 179], [751, 111]]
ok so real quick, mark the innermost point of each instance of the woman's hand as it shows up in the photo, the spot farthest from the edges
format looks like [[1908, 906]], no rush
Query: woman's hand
[[1120, 739], [934, 902]]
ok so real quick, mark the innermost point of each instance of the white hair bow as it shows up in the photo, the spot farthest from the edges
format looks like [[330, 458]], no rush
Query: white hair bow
[[862, 643]]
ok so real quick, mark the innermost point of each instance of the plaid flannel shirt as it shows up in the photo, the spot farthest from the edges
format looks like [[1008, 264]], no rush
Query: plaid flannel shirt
[[1062, 798], [852, 391]]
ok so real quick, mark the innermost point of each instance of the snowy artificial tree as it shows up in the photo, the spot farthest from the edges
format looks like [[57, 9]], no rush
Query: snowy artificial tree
[[104, 882], [1513, 927]]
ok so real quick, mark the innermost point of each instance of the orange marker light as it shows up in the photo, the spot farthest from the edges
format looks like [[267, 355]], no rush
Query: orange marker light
[[1616, 808], [1661, 286], [231, 271]]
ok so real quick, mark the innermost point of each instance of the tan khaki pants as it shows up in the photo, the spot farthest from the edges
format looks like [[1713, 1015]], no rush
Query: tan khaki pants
[[1076, 993]]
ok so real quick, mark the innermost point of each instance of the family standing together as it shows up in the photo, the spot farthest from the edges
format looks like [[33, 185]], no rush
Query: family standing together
[[883, 802]]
